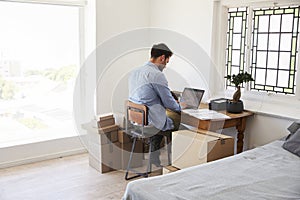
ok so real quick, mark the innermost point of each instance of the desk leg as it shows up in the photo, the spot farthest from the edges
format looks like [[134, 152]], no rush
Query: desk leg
[[240, 136]]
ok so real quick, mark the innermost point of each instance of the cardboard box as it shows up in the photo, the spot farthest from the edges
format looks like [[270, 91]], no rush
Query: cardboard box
[[123, 137], [106, 120], [104, 158], [191, 148], [111, 156], [169, 169], [138, 155], [96, 164], [108, 134]]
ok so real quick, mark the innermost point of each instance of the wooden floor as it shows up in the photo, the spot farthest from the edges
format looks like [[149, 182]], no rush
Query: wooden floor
[[64, 178]]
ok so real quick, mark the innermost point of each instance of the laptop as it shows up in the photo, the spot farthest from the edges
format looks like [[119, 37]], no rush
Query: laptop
[[192, 97]]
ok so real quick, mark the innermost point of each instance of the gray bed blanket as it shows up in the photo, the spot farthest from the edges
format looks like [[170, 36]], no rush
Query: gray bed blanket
[[267, 172]]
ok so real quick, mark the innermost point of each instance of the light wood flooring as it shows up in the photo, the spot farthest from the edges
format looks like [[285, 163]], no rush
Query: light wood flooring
[[64, 178]]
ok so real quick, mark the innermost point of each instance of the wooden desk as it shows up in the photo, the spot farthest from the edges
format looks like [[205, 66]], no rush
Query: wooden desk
[[235, 120]]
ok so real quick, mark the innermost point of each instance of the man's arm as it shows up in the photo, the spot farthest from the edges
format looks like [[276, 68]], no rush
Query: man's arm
[[163, 91]]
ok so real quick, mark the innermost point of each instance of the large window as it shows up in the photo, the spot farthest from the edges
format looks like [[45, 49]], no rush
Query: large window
[[39, 61], [264, 42]]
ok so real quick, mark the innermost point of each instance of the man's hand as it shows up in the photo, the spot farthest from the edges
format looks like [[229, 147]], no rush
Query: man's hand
[[183, 105]]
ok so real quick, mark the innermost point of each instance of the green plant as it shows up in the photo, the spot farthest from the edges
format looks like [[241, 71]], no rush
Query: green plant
[[237, 80]]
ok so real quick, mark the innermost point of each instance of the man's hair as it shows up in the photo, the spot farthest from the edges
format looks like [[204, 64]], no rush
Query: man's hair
[[159, 50]]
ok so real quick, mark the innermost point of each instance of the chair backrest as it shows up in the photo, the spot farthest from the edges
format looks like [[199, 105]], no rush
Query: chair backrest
[[137, 113]]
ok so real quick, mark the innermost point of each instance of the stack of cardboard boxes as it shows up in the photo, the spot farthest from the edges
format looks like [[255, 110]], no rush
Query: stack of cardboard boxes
[[103, 151], [110, 148]]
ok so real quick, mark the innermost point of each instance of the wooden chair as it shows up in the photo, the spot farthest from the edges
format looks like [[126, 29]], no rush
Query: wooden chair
[[137, 126]]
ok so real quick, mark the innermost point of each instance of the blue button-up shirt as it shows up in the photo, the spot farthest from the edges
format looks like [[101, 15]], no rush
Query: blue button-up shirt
[[149, 86]]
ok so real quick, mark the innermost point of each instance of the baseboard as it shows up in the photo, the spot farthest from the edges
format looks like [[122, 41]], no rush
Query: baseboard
[[42, 158]]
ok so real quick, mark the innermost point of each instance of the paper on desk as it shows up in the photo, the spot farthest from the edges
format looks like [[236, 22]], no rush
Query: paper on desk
[[205, 114]]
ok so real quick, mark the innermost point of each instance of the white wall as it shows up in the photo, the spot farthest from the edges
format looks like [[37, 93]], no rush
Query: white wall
[[193, 19], [113, 18], [116, 16], [263, 129]]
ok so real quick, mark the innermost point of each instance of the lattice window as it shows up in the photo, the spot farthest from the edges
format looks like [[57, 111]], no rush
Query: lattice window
[[274, 51], [274, 47], [236, 41]]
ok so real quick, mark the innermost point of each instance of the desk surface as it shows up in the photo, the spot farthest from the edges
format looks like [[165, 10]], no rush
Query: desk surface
[[236, 120], [215, 124], [245, 113]]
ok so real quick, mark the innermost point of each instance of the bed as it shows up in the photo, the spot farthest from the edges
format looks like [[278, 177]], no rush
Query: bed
[[267, 172]]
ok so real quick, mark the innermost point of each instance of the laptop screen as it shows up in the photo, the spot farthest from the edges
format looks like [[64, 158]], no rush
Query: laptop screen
[[192, 97]]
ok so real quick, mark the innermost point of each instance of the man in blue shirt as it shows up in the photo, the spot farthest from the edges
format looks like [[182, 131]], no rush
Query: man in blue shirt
[[149, 86]]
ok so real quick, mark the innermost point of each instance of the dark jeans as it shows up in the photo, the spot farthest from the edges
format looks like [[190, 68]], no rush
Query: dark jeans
[[155, 140]]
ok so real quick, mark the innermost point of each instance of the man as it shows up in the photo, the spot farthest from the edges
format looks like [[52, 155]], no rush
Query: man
[[149, 86]]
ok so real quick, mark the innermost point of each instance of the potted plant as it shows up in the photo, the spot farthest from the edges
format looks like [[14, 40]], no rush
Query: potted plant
[[236, 105]]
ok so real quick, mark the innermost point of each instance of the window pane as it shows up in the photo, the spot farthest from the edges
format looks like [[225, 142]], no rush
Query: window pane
[[261, 59], [271, 77], [235, 70], [272, 60], [284, 61], [236, 41], [39, 60], [285, 42], [237, 25], [287, 26], [236, 58], [274, 42], [260, 76], [283, 78], [263, 24], [262, 41], [275, 23]]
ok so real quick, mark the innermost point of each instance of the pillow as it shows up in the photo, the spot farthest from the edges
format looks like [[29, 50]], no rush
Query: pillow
[[292, 143], [294, 127]]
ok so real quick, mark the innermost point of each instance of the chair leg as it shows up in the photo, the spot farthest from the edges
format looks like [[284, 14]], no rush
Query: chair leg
[[149, 166], [129, 163]]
